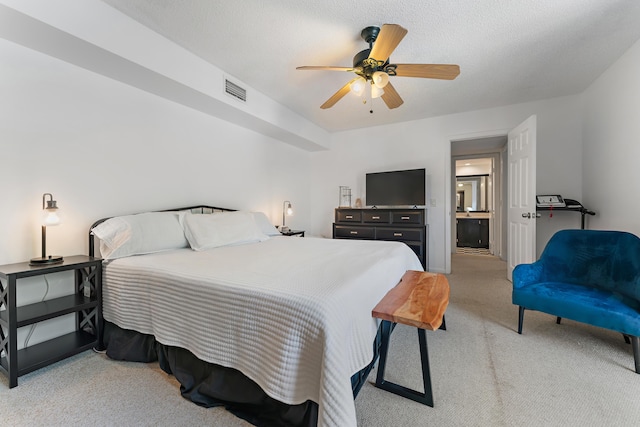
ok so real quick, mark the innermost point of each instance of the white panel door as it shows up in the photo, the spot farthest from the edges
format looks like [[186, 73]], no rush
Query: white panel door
[[521, 212]]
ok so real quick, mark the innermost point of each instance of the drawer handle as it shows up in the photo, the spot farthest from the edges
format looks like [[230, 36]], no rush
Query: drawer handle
[[349, 216], [375, 217], [397, 234], [404, 218], [353, 232]]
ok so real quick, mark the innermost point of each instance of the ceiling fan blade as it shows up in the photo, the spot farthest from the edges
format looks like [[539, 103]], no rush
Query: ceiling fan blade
[[391, 97], [326, 68], [338, 95], [388, 39], [428, 71]]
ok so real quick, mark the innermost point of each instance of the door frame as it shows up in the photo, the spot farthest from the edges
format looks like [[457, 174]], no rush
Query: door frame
[[450, 183]]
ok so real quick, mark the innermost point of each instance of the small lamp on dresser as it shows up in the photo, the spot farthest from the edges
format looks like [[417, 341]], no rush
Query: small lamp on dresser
[[50, 218]]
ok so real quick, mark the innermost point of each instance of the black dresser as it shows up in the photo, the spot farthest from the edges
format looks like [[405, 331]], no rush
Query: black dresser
[[403, 225]]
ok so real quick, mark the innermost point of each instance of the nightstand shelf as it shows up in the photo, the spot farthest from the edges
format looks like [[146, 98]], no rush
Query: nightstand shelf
[[38, 312], [45, 353], [85, 303]]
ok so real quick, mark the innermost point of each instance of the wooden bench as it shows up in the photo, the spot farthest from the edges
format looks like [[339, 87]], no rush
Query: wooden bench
[[420, 300]]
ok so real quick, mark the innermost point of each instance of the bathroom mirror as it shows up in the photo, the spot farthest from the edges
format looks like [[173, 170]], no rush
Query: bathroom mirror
[[471, 193]]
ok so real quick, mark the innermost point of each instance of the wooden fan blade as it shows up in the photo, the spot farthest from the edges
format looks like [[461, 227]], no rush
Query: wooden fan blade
[[391, 97], [388, 39], [338, 95], [326, 68], [428, 71]]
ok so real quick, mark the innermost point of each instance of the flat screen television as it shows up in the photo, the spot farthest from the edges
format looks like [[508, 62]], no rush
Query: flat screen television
[[395, 188]]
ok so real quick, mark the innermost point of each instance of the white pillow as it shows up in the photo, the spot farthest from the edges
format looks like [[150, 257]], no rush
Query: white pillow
[[221, 229], [264, 224], [144, 233]]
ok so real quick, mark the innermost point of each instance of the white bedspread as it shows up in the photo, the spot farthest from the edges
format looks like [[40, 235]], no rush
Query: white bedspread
[[292, 314]]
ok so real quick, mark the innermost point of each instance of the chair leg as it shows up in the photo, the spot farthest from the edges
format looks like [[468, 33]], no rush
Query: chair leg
[[520, 318], [626, 338], [558, 319], [635, 343]]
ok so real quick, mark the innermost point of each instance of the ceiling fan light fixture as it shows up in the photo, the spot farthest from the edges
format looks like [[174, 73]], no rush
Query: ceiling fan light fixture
[[380, 79], [358, 85], [376, 92], [372, 66]]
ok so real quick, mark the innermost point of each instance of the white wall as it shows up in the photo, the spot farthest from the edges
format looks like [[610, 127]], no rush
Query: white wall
[[612, 145], [104, 148], [426, 143]]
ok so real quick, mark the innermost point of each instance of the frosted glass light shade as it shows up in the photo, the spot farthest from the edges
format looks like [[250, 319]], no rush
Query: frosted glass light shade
[[358, 85], [50, 218], [380, 79], [376, 92]]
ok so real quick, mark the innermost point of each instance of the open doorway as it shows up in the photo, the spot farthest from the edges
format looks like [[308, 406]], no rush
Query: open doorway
[[478, 214], [474, 205]]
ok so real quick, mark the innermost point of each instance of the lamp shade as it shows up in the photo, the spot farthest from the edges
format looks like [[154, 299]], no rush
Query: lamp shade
[[376, 92], [358, 85], [380, 79], [51, 217]]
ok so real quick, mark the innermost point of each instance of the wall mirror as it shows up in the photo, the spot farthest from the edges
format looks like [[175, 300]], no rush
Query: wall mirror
[[471, 193]]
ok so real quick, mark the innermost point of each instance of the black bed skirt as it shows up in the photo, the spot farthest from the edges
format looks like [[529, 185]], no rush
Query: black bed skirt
[[207, 384]]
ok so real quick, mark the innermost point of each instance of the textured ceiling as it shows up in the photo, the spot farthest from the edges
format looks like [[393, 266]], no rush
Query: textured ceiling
[[509, 51]]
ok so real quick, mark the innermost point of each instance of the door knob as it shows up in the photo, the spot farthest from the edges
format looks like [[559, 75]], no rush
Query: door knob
[[526, 215]]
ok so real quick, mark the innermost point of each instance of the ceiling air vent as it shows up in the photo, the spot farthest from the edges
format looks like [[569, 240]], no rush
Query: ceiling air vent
[[235, 90]]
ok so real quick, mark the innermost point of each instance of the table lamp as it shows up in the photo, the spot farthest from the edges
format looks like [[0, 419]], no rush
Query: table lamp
[[286, 209], [50, 218]]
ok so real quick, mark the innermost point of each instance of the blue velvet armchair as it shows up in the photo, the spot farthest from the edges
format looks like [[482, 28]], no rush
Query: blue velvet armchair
[[590, 276]]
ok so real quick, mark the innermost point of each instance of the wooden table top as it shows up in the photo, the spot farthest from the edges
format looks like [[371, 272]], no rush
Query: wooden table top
[[420, 299]]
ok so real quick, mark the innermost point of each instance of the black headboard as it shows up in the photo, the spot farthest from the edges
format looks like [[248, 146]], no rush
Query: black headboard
[[200, 209]]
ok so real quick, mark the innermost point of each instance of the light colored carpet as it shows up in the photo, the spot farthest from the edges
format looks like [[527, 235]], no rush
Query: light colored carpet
[[483, 374]]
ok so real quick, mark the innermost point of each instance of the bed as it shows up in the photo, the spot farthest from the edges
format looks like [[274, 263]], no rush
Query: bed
[[277, 329]]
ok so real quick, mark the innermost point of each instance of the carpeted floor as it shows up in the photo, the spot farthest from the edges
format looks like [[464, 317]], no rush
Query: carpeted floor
[[483, 374]]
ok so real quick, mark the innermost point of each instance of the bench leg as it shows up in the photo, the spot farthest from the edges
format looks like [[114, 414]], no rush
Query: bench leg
[[520, 318], [635, 343], [444, 324], [425, 398]]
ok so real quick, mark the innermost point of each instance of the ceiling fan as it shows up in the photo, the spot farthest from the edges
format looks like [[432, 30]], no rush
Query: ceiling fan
[[372, 67]]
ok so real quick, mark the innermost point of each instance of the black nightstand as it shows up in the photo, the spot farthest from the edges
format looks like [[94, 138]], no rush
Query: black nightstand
[[86, 303], [293, 233]]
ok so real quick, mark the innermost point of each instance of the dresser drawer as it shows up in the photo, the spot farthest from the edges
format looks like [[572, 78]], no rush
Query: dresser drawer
[[407, 217], [403, 234], [345, 231], [375, 216], [345, 215]]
